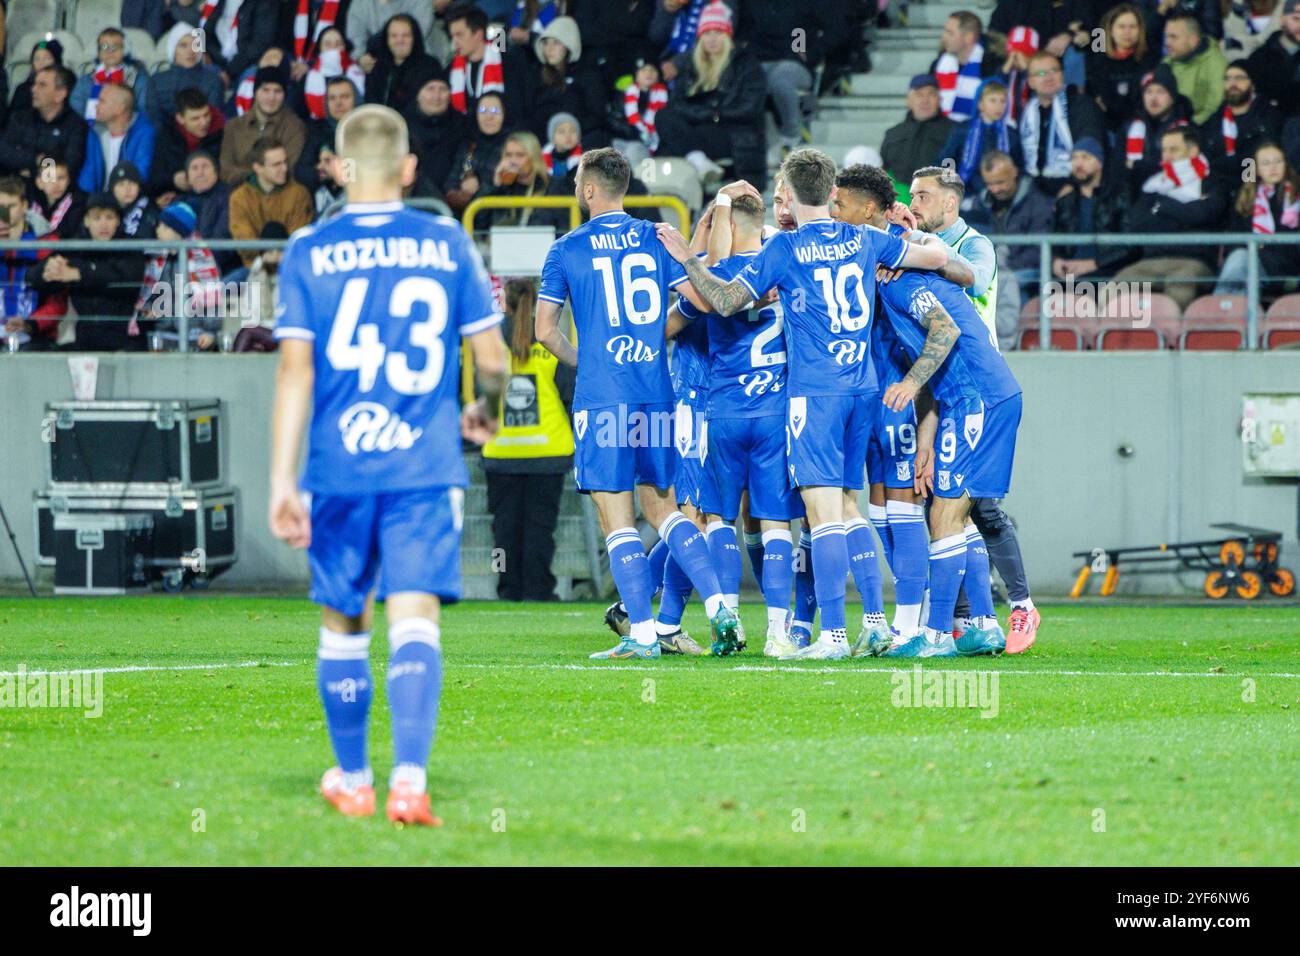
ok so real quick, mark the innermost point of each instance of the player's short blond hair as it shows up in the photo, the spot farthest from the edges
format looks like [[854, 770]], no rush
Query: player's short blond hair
[[374, 140]]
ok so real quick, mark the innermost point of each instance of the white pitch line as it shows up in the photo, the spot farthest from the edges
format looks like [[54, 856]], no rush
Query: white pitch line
[[141, 668]]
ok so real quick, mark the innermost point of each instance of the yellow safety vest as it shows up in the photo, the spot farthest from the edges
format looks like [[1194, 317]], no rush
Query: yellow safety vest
[[532, 420], [986, 304]]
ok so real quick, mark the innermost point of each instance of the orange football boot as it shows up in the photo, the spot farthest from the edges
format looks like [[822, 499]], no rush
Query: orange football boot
[[405, 806], [1023, 630], [351, 803]]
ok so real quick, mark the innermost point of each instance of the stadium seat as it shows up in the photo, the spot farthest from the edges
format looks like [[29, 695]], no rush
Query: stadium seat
[[75, 53], [18, 73], [672, 176], [88, 17], [1072, 331], [140, 45], [1117, 329], [1281, 325], [1114, 335], [1214, 323], [27, 17], [1066, 337]]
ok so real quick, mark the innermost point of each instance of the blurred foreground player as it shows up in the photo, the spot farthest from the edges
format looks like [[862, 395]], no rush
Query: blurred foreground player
[[372, 307]]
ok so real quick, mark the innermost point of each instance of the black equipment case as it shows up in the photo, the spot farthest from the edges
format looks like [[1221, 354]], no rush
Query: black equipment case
[[101, 553]]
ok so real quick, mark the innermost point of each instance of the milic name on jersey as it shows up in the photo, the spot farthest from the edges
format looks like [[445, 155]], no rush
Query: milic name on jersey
[[614, 241], [828, 253], [394, 252]]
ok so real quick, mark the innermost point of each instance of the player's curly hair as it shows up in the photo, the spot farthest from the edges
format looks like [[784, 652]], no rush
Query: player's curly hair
[[871, 181]]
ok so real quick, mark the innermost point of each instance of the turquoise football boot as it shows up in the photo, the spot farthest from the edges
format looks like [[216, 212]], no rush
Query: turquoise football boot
[[629, 650], [976, 640], [725, 626]]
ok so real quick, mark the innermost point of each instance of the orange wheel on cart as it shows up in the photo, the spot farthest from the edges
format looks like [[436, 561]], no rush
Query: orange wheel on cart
[[1265, 552], [1283, 583], [1249, 585], [1215, 586], [1232, 553]]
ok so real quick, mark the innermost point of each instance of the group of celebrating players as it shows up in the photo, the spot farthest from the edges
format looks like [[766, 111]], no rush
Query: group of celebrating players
[[784, 395]]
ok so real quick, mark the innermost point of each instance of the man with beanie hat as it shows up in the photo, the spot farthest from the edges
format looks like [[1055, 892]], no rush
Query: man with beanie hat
[[267, 118], [1160, 108], [917, 140], [1245, 120], [138, 212], [1197, 63], [1276, 65], [187, 71], [437, 131], [1090, 203]]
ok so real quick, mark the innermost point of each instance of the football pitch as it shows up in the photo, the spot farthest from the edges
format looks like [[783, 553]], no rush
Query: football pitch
[[1128, 736]]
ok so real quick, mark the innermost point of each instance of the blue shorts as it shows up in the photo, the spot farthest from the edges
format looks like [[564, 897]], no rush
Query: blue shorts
[[692, 483], [975, 448], [827, 439], [748, 454], [618, 447], [892, 447], [407, 540]]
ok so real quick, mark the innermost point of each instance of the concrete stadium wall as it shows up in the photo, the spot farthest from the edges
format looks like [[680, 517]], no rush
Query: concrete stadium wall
[[1071, 489]]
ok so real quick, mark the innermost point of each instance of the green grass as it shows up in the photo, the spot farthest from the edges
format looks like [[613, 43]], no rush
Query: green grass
[[688, 761]]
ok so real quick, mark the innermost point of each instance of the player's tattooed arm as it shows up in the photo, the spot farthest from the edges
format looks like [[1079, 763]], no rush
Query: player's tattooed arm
[[546, 329], [941, 335], [714, 295]]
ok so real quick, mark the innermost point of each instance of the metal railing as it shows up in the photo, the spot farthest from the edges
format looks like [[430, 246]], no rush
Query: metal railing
[[1045, 241], [571, 203]]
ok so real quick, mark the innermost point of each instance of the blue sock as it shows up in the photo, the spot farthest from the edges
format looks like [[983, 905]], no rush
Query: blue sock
[[911, 562], [343, 677], [879, 516], [947, 567], [725, 553], [754, 548], [631, 572], [865, 565], [676, 592], [414, 687], [691, 551], [830, 555], [805, 582], [979, 592], [657, 556], [778, 571]]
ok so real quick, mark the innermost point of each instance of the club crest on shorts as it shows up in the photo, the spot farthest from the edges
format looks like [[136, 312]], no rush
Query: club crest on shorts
[[943, 480], [903, 470]]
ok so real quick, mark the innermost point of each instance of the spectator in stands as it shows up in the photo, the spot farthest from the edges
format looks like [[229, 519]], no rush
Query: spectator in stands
[[527, 461], [1115, 72], [1268, 204], [635, 126], [562, 83], [268, 118], [990, 131], [437, 131], [615, 35], [1162, 108], [255, 335], [268, 195], [1276, 64], [195, 124], [1248, 23], [1022, 43], [476, 160], [715, 109], [147, 15], [238, 33], [770, 29], [189, 12], [1014, 207], [401, 65], [368, 20], [188, 71], [120, 132], [137, 211], [312, 168], [158, 297], [529, 19], [1244, 121], [917, 140], [99, 283], [962, 65], [45, 53], [58, 200], [50, 129], [674, 29], [1207, 14], [1185, 196], [113, 66], [522, 172], [24, 313], [209, 197], [479, 67], [330, 62], [1053, 121], [1090, 204], [1198, 65], [563, 149]]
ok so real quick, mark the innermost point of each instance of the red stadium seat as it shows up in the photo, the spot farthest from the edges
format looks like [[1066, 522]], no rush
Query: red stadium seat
[[1122, 336], [1217, 308], [1072, 330], [1214, 323], [1281, 324], [1065, 337], [1150, 322]]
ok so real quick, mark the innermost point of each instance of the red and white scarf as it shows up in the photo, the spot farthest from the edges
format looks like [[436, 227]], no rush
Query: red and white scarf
[[1262, 219], [60, 210], [208, 7], [244, 95], [103, 75], [327, 65], [1135, 143], [329, 12], [203, 287], [1180, 179], [958, 83], [1229, 128], [644, 123], [570, 162], [491, 80], [232, 41]]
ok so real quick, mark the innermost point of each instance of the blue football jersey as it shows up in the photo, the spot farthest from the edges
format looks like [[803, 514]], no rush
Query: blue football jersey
[[826, 274], [974, 369], [746, 352], [690, 371], [385, 294], [617, 274], [887, 353]]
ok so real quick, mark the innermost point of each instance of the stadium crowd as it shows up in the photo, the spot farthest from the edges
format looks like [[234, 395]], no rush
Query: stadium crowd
[[1076, 119]]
